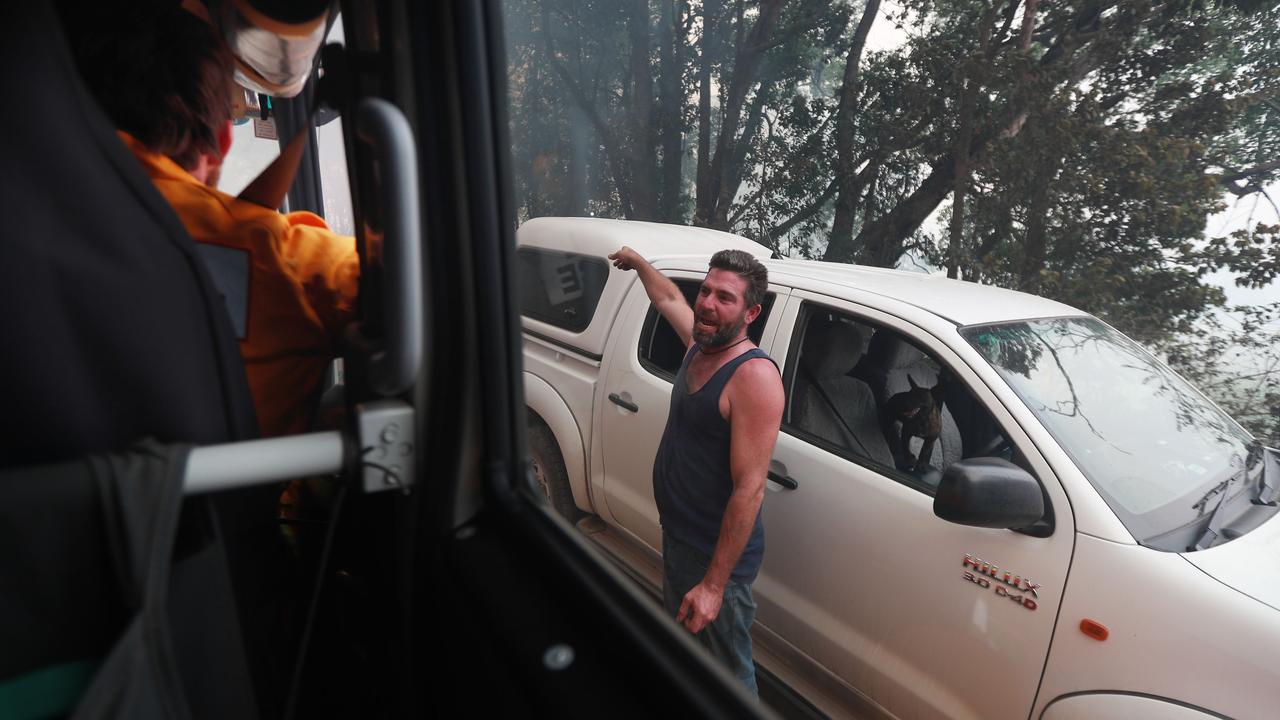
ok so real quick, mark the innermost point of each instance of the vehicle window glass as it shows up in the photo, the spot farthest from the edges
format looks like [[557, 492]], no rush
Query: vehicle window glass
[[865, 392], [255, 144], [1152, 446], [661, 351], [331, 152], [253, 147], [560, 288]]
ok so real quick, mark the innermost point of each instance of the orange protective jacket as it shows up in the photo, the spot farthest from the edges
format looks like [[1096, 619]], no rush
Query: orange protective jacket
[[290, 284]]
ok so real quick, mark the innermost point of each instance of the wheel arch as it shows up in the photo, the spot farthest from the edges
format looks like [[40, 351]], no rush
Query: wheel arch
[[545, 405]]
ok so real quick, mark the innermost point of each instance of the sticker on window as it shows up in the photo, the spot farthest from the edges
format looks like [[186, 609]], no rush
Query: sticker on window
[[561, 278]]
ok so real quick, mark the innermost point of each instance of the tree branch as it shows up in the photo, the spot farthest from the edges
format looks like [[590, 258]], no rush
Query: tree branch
[[611, 148], [806, 212], [782, 36], [1266, 167], [803, 153], [1009, 14], [1266, 195]]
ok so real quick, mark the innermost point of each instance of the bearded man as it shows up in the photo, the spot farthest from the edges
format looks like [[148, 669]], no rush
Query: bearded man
[[710, 470]]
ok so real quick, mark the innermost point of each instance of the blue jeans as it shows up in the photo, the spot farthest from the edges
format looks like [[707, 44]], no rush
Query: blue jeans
[[728, 637]]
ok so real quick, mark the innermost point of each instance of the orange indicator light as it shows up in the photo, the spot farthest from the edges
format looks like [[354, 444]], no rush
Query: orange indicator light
[[1094, 629]]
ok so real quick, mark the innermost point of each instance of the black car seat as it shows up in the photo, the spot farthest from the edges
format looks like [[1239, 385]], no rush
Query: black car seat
[[113, 332], [827, 401], [113, 328]]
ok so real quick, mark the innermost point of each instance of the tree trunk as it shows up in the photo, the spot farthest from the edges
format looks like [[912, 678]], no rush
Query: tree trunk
[[982, 254], [613, 152], [754, 117], [880, 243], [840, 242], [964, 138], [671, 109], [1034, 247], [869, 198], [970, 82], [806, 212], [580, 159], [710, 21], [955, 241], [1028, 24], [642, 151], [713, 206]]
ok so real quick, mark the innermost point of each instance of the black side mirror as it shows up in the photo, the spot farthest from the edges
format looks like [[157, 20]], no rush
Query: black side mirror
[[989, 492]]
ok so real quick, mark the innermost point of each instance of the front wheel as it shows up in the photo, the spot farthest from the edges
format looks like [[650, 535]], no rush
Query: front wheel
[[549, 472]]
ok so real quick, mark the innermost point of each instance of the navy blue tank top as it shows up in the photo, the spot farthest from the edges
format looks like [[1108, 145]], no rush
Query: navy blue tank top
[[692, 481]]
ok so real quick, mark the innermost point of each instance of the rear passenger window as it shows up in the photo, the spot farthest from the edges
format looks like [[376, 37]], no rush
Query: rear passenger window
[[560, 288], [660, 349], [867, 393]]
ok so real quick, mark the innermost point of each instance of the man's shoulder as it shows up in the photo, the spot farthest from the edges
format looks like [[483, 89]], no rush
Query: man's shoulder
[[755, 392], [759, 364], [756, 373]]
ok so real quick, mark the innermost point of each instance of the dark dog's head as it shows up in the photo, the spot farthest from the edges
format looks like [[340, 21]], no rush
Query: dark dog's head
[[913, 402]]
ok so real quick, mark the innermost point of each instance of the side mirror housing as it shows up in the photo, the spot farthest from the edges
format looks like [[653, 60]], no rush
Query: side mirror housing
[[989, 492]]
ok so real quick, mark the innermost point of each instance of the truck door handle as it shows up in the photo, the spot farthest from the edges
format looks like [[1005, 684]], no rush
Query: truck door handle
[[784, 480], [616, 399]]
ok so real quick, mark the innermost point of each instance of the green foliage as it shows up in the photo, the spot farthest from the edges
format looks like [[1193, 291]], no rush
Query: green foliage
[[1101, 198], [1234, 357], [1090, 157], [1253, 253]]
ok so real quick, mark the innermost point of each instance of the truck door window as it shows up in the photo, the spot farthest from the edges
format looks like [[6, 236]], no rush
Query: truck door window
[[560, 288], [660, 349], [253, 147], [863, 391], [334, 181]]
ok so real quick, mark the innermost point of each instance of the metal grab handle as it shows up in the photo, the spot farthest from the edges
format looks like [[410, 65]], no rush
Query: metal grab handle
[[214, 468], [395, 368], [784, 480], [381, 448], [616, 399]]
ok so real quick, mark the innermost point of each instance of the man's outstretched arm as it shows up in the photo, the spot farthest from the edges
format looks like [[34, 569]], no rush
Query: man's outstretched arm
[[663, 293]]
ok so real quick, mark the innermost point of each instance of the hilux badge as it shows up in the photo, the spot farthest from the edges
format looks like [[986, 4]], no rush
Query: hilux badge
[[1007, 584]]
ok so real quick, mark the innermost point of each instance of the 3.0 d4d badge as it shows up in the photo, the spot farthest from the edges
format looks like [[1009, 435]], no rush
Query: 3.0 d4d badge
[[1007, 585]]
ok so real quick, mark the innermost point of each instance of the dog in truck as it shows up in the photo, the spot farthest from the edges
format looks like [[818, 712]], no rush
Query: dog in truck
[[913, 413]]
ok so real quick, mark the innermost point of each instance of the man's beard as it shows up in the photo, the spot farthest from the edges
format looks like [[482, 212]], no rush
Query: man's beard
[[721, 336]]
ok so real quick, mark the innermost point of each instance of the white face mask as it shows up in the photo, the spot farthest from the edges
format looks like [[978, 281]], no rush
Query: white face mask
[[273, 57]]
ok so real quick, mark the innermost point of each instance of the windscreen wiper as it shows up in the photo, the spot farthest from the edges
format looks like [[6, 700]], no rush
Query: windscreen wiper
[[1213, 530], [1267, 489]]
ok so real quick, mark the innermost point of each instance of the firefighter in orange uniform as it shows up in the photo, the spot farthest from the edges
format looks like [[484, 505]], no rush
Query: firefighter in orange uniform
[[289, 281]]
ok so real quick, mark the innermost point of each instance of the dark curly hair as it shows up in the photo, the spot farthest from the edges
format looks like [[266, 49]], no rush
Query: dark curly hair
[[745, 266]]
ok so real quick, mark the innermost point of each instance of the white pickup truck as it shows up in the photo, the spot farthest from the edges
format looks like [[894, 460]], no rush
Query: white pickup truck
[[1109, 548]]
